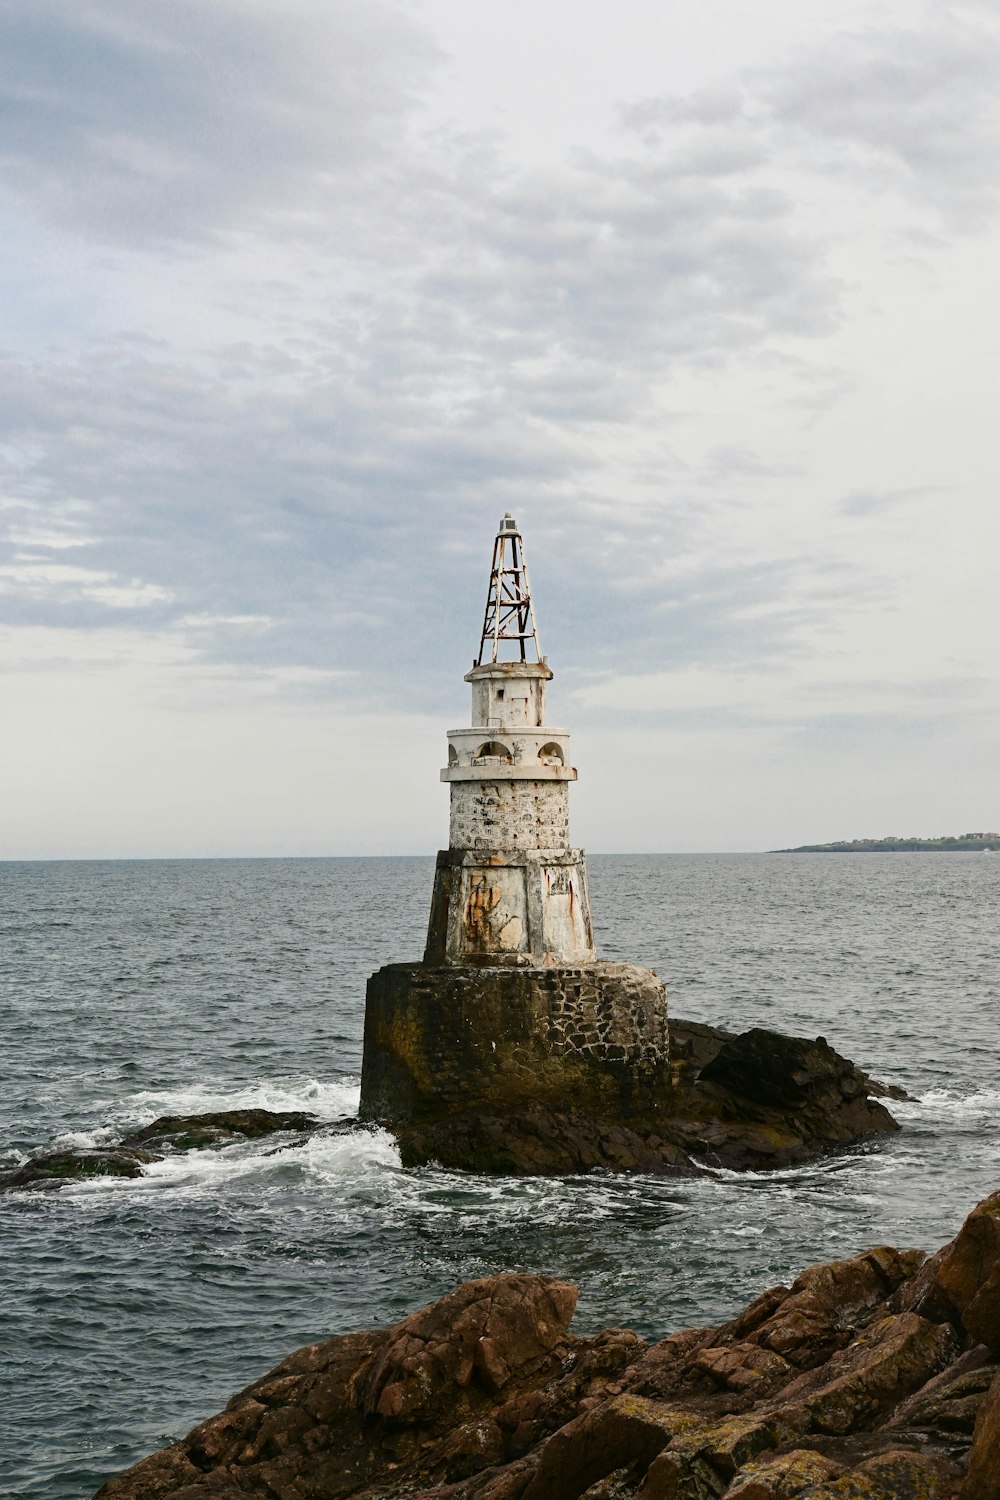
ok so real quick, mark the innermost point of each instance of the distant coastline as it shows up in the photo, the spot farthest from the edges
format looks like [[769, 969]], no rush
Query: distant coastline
[[949, 842]]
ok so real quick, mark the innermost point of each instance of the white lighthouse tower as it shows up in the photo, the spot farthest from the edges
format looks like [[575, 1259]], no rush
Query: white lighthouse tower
[[509, 889]]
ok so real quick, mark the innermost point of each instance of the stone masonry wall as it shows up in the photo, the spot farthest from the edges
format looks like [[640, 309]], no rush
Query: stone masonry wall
[[440, 1041], [509, 815]]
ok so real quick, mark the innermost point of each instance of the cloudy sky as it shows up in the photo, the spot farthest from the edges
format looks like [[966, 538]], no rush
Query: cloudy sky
[[299, 298]]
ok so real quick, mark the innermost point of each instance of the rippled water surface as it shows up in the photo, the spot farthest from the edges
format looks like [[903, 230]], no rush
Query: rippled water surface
[[131, 1309]]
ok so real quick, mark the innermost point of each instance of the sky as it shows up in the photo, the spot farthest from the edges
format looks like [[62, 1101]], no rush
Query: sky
[[299, 299]]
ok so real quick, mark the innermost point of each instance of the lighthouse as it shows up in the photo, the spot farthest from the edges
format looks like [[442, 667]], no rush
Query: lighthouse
[[511, 1044], [509, 889]]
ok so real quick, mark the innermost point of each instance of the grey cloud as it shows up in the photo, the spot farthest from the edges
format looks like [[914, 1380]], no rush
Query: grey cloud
[[918, 690], [160, 121], [864, 503], [454, 334], [915, 108], [357, 542], [911, 107], [738, 461], [717, 105]]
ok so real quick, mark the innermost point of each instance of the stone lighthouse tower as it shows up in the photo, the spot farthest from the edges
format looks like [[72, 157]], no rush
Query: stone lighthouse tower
[[509, 889], [511, 1046]]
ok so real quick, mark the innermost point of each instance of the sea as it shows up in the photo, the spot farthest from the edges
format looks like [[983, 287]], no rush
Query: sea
[[130, 1310]]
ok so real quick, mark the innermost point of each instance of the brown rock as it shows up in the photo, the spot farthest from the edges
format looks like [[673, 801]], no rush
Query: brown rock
[[968, 1273], [477, 1336], [897, 1475], [815, 1316], [742, 1367], [859, 1385], [627, 1431], [950, 1403], [982, 1479], [783, 1477], [832, 1390]]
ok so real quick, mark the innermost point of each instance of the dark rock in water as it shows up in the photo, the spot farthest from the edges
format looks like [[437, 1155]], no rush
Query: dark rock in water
[[834, 1388], [195, 1132], [171, 1132], [56, 1167], [540, 1142], [756, 1101], [562, 1070], [808, 1083]]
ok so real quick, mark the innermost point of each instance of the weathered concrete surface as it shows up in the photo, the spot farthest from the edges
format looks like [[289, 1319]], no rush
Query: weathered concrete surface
[[563, 1070], [526, 907], [519, 813], [824, 1390], [509, 889]]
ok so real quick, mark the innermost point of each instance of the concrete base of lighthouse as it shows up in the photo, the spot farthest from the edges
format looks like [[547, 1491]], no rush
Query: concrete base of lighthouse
[[443, 1041], [565, 1069], [510, 908]]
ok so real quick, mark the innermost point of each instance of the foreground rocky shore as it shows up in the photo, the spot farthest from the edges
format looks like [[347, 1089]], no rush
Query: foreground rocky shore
[[874, 1378]]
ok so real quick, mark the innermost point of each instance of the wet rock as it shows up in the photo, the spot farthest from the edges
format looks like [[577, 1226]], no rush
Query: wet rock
[[967, 1274], [539, 1142], [982, 1480], [748, 1102], [830, 1389], [196, 1132], [782, 1478], [827, 1095], [53, 1168], [140, 1147], [511, 1069]]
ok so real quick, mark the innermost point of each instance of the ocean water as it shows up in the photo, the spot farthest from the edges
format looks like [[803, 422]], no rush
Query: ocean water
[[129, 1310]]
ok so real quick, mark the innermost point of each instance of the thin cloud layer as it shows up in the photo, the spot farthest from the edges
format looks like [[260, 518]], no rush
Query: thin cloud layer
[[297, 338], [174, 122], [914, 110]]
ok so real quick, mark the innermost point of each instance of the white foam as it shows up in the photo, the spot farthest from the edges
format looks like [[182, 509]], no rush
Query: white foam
[[339, 1156], [84, 1140], [943, 1105], [327, 1099], [353, 1153]]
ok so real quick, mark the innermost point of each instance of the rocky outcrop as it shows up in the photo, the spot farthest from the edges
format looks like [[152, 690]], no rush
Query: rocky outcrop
[[149, 1144], [754, 1101], [866, 1379], [53, 1168], [196, 1132]]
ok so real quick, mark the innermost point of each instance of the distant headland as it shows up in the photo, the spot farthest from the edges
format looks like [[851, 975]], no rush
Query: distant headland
[[974, 842]]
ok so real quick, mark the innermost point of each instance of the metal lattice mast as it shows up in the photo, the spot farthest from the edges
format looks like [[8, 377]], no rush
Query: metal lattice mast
[[510, 615]]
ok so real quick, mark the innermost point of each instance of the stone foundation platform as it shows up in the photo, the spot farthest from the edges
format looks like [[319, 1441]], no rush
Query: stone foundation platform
[[443, 1041]]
